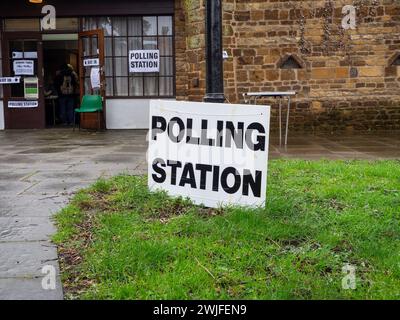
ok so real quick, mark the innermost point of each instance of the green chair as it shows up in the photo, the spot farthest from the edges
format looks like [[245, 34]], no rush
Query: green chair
[[90, 104]]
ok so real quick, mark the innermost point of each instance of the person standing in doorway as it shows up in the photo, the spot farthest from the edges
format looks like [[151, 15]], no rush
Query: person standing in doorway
[[66, 83]]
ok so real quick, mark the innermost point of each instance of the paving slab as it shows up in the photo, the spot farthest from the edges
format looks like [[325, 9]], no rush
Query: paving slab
[[17, 229], [26, 259], [28, 289]]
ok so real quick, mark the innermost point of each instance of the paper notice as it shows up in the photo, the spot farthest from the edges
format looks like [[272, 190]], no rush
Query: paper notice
[[24, 67], [95, 78]]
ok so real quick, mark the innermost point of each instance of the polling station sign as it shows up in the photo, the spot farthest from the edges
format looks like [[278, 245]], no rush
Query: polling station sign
[[23, 104], [214, 154], [144, 61], [10, 80], [91, 62]]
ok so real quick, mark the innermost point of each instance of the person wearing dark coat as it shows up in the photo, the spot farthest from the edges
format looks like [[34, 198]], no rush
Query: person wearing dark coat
[[66, 83]]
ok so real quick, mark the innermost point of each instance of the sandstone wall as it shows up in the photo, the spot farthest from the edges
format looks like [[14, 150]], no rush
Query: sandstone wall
[[346, 80]]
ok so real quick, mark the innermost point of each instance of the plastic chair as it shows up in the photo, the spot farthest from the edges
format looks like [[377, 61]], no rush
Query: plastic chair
[[90, 104]]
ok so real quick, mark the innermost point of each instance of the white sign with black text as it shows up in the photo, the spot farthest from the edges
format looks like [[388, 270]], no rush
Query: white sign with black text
[[214, 154], [23, 104], [24, 67], [10, 80], [25, 55], [144, 61], [91, 62], [95, 78]]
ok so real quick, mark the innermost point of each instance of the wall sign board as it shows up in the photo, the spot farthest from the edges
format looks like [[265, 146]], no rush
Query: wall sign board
[[10, 80], [31, 55], [23, 104], [31, 88], [24, 67], [91, 62], [25, 55], [17, 55], [215, 154], [144, 61]]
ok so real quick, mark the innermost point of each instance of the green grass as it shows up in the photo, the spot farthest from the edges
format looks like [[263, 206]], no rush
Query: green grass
[[118, 241]]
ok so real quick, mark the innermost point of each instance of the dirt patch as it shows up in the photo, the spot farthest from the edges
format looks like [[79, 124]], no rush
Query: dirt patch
[[71, 257], [210, 212]]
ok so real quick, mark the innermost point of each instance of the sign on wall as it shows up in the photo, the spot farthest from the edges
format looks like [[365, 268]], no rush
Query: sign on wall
[[23, 104], [10, 80], [215, 154], [17, 55], [95, 78], [31, 88], [91, 62], [24, 67], [25, 55], [144, 61]]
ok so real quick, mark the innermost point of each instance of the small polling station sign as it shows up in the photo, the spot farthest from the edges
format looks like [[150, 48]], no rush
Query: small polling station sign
[[22, 104], [144, 61], [91, 62], [10, 80], [214, 154]]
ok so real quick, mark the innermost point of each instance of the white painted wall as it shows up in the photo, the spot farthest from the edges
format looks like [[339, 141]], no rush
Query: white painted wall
[[1, 115], [128, 113]]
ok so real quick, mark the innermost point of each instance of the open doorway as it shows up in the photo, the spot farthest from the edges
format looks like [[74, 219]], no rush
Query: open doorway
[[56, 54]]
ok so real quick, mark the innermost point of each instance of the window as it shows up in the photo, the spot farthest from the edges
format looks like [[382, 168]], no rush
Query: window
[[123, 34], [19, 50]]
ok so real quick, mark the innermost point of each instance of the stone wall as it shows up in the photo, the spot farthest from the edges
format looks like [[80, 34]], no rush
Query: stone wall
[[190, 49], [344, 78]]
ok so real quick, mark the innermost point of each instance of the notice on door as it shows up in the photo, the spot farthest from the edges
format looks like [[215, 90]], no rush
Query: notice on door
[[91, 62], [24, 67], [144, 61], [31, 88], [215, 154], [25, 55], [10, 80], [95, 78], [23, 104]]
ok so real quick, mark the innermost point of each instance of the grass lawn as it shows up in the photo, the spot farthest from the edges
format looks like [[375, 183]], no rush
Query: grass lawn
[[118, 241]]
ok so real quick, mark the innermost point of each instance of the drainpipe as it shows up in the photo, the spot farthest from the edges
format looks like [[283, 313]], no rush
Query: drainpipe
[[214, 58]]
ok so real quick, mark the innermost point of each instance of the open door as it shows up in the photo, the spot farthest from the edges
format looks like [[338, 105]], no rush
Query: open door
[[24, 101], [91, 57]]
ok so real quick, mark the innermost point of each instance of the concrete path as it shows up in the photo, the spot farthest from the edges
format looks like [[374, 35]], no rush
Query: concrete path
[[39, 172], [357, 146]]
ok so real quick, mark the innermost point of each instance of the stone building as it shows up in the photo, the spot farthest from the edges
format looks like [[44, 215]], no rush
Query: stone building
[[346, 78]]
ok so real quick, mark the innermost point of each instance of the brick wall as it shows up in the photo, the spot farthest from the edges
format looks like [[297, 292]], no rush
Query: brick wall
[[346, 80]]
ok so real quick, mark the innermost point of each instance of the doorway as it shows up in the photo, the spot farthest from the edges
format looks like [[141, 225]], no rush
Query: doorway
[[56, 53], [23, 99], [33, 60]]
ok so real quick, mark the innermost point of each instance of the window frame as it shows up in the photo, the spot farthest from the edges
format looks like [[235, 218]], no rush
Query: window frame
[[129, 77]]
